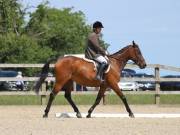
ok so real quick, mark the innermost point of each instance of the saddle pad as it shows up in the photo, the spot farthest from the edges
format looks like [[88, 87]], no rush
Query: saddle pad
[[95, 67]]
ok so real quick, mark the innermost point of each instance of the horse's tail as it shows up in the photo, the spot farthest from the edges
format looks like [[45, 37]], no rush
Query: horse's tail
[[44, 74]]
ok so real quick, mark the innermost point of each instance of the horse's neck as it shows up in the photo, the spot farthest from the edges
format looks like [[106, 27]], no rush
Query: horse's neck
[[122, 59]]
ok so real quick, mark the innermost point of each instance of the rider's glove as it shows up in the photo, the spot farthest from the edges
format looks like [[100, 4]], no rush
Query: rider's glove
[[107, 53]]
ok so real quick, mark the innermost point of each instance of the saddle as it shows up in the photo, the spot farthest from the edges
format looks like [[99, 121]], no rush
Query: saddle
[[97, 64]]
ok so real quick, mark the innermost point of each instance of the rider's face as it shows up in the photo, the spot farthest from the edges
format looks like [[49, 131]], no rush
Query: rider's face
[[98, 30]]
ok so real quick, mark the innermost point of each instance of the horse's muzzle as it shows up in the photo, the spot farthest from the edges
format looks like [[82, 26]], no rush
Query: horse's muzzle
[[143, 66]]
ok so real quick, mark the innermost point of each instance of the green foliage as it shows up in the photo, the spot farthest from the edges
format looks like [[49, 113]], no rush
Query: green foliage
[[20, 100], [11, 16], [88, 99], [49, 31], [170, 99], [62, 30], [21, 49]]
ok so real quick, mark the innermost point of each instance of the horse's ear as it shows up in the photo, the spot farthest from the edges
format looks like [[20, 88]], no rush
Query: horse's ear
[[134, 44]]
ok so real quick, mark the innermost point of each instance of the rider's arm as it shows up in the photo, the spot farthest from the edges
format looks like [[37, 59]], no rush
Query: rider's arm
[[95, 42]]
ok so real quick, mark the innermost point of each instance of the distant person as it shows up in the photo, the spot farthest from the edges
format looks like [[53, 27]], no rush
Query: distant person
[[20, 83], [95, 51]]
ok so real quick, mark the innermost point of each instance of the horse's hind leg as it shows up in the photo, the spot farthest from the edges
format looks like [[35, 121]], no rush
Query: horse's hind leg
[[68, 87], [51, 98], [54, 92], [98, 99]]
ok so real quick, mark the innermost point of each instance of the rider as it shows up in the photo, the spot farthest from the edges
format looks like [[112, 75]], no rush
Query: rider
[[94, 50]]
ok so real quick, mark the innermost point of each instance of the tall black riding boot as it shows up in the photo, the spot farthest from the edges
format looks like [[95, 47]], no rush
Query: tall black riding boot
[[100, 71]]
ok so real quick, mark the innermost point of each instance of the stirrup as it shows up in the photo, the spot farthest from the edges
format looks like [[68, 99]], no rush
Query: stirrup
[[99, 78]]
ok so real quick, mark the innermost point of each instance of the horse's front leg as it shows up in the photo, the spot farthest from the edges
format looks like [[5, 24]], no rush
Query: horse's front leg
[[98, 99], [118, 91], [123, 98]]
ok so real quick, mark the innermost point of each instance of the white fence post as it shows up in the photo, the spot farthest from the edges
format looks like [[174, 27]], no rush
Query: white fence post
[[157, 86], [43, 95]]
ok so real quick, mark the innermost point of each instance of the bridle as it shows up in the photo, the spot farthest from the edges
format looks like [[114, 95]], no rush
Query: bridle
[[136, 55]]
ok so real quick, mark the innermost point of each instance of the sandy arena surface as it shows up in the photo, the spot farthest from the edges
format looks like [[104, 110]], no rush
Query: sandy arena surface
[[27, 120]]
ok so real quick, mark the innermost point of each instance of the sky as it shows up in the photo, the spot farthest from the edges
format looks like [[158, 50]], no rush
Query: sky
[[153, 24]]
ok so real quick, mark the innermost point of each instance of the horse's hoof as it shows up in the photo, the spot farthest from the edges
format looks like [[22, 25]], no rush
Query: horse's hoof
[[131, 115], [88, 116], [45, 116], [79, 115]]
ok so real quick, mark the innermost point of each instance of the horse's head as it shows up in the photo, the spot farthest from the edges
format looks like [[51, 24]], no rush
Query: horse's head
[[136, 55]]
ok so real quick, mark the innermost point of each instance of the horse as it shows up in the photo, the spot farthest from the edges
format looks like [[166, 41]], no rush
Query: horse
[[68, 69]]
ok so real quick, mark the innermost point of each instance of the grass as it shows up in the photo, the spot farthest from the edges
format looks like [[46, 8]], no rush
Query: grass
[[20, 100], [132, 99], [170, 99], [78, 99], [88, 99], [109, 99]]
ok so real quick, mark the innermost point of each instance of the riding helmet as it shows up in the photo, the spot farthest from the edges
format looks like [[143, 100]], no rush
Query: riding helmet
[[97, 24]]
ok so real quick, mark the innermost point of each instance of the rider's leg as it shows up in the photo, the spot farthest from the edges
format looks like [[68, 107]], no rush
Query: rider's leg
[[99, 75], [103, 64]]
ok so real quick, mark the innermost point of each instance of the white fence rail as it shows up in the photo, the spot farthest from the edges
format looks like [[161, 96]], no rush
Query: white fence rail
[[156, 67]]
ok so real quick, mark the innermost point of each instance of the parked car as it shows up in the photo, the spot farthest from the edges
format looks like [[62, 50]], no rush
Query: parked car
[[145, 85], [143, 75], [5, 85], [170, 86], [128, 72], [10, 85], [128, 86]]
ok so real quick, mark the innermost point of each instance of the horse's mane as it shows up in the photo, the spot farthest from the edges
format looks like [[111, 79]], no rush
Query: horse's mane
[[120, 51]]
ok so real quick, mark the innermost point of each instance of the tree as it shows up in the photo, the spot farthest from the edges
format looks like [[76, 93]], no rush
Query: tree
[[11, 17], [62, 30], [22, 49], [49, 31]]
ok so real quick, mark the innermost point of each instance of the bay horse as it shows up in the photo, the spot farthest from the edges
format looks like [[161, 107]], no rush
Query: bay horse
[[70, 68]]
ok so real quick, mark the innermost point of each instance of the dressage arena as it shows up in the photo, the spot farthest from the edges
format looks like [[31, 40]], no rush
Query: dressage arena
[[27, 120]]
